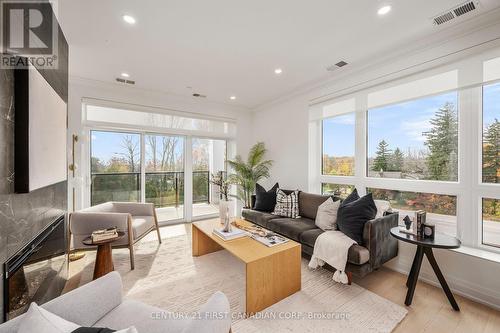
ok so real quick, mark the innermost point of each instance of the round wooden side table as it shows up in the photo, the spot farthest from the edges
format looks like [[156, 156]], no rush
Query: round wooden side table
[[104, 258], [425, 246]]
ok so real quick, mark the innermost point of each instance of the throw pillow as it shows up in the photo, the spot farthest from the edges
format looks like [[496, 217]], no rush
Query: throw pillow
[[353, 196], [353, 215], [40, 320], [287, 205], [265, 200], [326, 218], [382, 207]]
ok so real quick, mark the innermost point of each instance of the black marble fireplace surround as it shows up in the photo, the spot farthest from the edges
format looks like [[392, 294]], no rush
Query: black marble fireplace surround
[[24, 216], [37, 272]]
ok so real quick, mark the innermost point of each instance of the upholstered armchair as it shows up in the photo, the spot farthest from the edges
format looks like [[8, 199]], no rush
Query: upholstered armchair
[[136, 220]]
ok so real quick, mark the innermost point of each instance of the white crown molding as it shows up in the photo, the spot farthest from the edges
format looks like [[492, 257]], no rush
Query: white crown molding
[[445, 43]]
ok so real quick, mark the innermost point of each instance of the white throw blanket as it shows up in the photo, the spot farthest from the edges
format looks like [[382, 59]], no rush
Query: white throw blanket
[[332, 247]]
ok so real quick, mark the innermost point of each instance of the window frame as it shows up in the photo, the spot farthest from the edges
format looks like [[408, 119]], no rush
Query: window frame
[[323, 144], [468, 189]]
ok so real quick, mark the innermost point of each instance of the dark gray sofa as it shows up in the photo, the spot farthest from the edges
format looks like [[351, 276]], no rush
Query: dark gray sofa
[[378, 246]]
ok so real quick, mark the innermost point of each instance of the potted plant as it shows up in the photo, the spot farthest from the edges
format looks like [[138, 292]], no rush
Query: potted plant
[[226, 206], [248, 173]]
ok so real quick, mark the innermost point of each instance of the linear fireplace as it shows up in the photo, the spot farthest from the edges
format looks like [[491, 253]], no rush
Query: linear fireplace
[[37, 272]]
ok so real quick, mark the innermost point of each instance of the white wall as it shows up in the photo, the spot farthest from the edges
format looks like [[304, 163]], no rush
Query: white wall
[[83, 88], [284, 131], [283, 126]]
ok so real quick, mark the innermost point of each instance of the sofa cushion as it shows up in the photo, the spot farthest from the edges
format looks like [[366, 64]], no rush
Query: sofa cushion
[[309, 203], [260, 218], [291, 228], [353, 215], [357, 254], [141, 224], [145, 318], [265, 200]]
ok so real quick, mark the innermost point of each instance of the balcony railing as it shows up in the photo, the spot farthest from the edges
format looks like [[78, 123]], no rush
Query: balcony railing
[[164, 189]]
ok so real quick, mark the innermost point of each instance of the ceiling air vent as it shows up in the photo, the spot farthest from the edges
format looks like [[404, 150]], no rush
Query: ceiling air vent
[[125, 81], [341, 63], [199, 95], [460, 10]]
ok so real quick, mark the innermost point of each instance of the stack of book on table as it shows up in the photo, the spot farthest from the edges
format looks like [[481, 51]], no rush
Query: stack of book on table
[[229, 235], [104, 234]]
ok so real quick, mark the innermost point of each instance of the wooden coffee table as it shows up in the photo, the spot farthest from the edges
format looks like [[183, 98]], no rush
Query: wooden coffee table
[[104, 258], [272, 273]]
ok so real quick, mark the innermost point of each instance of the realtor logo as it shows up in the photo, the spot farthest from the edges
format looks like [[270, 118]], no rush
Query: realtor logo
[[29, 34]]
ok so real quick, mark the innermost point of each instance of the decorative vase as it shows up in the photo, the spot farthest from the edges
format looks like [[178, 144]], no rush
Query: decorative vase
[[226, 213]]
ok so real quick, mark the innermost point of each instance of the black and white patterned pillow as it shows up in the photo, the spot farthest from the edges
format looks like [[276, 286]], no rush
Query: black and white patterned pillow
[[287, 205]]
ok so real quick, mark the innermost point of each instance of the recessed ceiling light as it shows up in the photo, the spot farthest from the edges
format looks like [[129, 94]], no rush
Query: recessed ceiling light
[[125, 74], [129, 19], [232, 98], [384, 10], [278, 71]]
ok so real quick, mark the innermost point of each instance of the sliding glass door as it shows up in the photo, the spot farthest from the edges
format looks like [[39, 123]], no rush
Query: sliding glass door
[[164, 175], [151, 167], [115, 167], [209, 157]]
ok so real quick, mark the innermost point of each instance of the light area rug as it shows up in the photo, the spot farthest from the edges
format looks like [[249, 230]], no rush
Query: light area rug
[[167, 276]]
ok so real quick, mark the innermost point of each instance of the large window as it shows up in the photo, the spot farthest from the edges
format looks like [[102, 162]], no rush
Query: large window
[[338, 145], [441, 209], [115, 167], [339, 190], [491, 222], [415, 140], [491, 133]]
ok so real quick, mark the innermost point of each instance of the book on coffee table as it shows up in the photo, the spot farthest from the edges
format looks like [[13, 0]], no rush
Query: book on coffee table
[[233, 234]]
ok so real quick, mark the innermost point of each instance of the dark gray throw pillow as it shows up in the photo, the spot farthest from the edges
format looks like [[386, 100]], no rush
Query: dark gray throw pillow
[[353, 215], [265, 200], [353, 196]]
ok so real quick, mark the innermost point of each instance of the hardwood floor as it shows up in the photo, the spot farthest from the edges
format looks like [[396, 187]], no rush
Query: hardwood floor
[[430, 310]]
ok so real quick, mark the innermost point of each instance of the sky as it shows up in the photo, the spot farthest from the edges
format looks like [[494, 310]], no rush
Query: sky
[[401, 125]]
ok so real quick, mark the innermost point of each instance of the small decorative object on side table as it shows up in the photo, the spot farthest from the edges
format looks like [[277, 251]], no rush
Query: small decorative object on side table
[[425, 246], [104, 259]]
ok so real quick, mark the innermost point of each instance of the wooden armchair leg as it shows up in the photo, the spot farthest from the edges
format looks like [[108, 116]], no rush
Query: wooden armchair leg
[[131, 242], [132, 261], [349, 278], [157, 227]]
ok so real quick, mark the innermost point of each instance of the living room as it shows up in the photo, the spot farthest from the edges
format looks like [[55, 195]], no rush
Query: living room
[[198, 166]]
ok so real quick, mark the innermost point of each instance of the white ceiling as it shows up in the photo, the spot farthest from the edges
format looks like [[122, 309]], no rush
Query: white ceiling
[[231, 47]]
